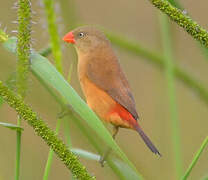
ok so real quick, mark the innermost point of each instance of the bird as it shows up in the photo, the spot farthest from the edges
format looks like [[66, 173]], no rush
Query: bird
[[103, 81]]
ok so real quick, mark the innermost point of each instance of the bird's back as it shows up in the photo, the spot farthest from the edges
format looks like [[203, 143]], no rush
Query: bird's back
[[102, 68]]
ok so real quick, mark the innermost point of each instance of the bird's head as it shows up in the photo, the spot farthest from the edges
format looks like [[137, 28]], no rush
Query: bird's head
[[86, 38]]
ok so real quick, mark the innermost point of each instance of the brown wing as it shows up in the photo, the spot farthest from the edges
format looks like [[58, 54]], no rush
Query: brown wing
[[112, 80]]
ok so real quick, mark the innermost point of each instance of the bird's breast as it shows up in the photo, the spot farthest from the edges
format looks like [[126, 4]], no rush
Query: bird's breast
[[98, 100]]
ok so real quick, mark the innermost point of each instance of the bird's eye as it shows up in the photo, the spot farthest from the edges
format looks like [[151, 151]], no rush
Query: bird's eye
[[81, 34]]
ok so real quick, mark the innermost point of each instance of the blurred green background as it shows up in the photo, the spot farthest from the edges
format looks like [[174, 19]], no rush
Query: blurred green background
[[136, 20]]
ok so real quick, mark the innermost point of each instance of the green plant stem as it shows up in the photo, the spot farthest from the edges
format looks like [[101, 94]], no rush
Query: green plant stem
[[67, 134], [50, 154], [167, 48], [23, 45], [195, 159], [56, 51], [23, 54], [40, 127], [18, 151], [53, 31], [183, 20], [158, 60]]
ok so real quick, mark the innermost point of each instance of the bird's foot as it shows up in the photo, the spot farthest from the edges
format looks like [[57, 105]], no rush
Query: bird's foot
[[102, 161], [64, 112]]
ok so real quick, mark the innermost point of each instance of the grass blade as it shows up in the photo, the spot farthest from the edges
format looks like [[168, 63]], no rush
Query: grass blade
[[53, 31], [11, 126], [23, 56], [195, 159], [50, 154], [169, 71]]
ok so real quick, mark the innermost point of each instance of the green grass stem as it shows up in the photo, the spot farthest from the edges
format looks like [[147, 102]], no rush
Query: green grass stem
[[56, 51], [18, 152], [195, 159], [169, 71], [23, 54], [53, 32], [50, 154]]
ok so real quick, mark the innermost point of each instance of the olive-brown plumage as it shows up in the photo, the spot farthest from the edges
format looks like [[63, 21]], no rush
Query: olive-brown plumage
[[103, 82]]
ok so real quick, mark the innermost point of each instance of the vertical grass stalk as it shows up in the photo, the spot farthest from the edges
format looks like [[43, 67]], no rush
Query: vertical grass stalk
[[166, 40], [23, 45], [50, 154], [53, 32], [67, 135], [56, 51], [23, 54]]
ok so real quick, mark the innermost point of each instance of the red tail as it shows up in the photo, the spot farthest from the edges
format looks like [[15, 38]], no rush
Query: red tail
[[146, 140]]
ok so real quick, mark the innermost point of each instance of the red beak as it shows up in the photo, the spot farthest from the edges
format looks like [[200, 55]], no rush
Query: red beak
[[69, 37]]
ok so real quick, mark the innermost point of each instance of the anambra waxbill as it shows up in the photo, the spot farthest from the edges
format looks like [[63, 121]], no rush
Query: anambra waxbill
[[103, 82]]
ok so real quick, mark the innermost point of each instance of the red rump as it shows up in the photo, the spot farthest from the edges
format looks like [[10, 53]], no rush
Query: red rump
[[124, 114]]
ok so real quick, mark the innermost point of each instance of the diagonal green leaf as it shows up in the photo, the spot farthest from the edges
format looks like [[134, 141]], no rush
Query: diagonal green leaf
[[11, 126], [195, 159]]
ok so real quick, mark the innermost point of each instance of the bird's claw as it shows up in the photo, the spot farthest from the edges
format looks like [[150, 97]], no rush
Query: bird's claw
[[64, 112], [102, 161]]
